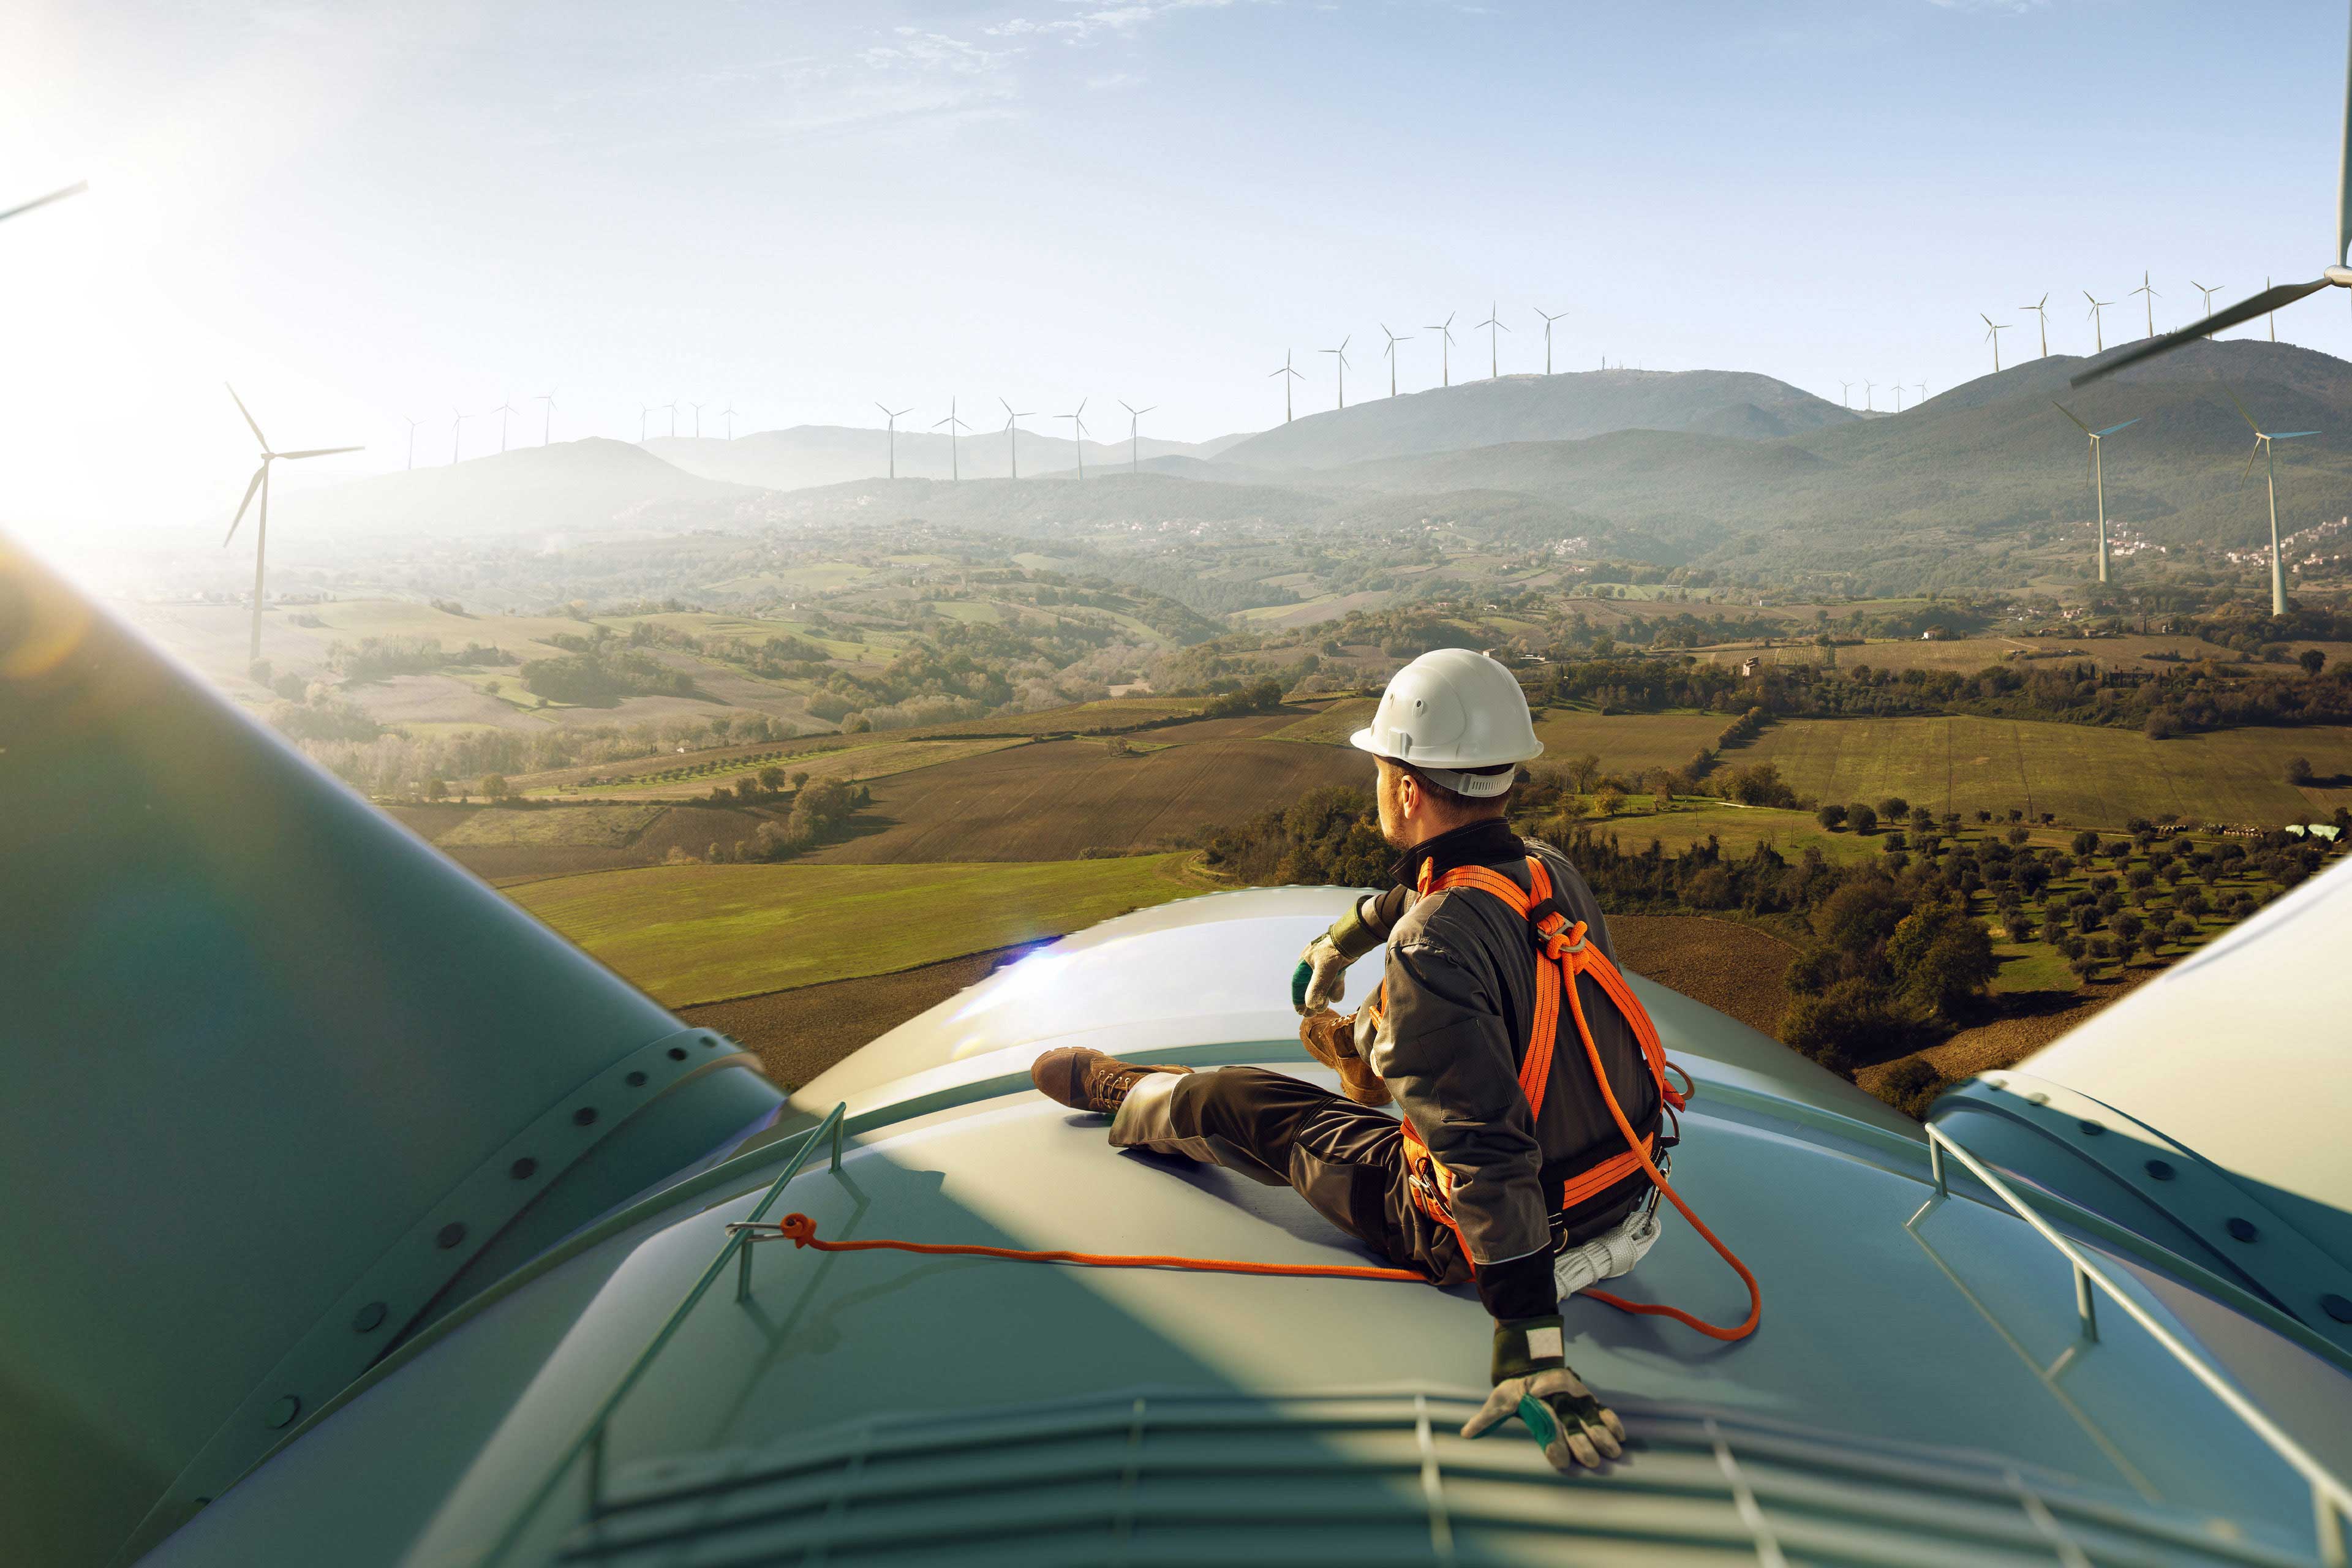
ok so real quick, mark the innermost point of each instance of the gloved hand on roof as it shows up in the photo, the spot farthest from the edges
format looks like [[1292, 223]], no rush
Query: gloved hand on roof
[[1534, 1383]]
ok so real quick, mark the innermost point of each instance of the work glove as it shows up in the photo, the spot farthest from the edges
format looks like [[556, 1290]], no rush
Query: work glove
[[1533, 1382], [1330, 1038], [1322, 978]]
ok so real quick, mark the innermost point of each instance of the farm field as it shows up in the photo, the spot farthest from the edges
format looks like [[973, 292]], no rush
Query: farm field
[[2083, 774], [689, 935], [882, 759], [1627, 743], [1054, 799], [506, 844], [1739, 829]]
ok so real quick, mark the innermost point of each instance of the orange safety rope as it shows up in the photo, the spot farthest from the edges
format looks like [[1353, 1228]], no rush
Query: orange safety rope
[[801, 1231]]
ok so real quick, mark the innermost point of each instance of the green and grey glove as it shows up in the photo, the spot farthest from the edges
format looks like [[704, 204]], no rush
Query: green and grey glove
[[1322, 978], [1532, 1382]]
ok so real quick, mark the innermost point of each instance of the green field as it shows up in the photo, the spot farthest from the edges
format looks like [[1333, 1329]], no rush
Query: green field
[[881, 759], [2082, 774], [1628, 744], [593, 826], [1737, 828], [688, 934]]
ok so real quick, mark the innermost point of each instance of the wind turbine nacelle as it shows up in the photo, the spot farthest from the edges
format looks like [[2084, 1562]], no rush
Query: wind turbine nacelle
[[285, 1086], [2341, 276]]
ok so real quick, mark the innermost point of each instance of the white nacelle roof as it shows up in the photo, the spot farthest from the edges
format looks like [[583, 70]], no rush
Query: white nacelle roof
[[2243, 1052]]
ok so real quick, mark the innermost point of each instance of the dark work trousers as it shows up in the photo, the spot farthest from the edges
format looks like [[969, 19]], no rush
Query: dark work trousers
[[1344, 1159]]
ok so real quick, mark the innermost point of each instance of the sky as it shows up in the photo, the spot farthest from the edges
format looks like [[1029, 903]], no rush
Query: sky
[[362, 215]]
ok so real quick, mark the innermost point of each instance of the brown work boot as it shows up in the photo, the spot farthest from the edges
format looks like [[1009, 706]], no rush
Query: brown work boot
[[1330, 1038], [1086, 1079]]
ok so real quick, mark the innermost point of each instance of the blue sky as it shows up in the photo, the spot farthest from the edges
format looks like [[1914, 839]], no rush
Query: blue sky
[[366, 213]]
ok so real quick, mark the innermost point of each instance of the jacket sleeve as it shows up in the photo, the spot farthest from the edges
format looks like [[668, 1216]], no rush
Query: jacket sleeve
[[1442, 1046]]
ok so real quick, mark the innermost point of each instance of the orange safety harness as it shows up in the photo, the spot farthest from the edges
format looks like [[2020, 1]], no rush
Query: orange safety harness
[[1570, 956]]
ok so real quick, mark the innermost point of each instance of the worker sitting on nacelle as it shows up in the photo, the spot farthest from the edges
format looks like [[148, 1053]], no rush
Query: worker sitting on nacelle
[[1531, 1130]]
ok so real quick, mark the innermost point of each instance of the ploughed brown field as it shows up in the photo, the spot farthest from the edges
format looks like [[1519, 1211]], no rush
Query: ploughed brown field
[[1058, 799]]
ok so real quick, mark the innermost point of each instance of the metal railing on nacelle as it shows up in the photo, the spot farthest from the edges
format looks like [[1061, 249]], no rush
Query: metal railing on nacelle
[[2331, 1496]]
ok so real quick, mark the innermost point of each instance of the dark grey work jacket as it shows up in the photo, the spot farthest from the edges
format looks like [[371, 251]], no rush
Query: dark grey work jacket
[[1453, 1030]]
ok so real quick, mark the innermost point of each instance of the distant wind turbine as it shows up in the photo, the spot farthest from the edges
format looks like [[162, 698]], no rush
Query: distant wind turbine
[[1992, 334], [456, 431], [673, 419], [2272, 316], [2040, 308], [260, 481], [2098, 475], [955, 461], [1845, 393], [2152, 298], [1923, 391], [1444, 330], [1077, 434], [727, 413], [1012, 434], [2262, 446], [1293, 375], [643, 410], [2208, 293], [1898, 398], [1549, 317], [698, 408], [2098, 324], [546, 416], [1391, 351], [889, 413], [1868, 388], [413, 424], [505, 410], [1495, 330], [1342, 353], [1134, 440]]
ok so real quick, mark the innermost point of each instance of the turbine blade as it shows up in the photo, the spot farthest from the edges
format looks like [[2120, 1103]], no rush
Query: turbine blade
[[2242, 414], [322, 452], [2113, 428], [2069, 413], [252, 485], [258, 435], [2250, 461], [2290, 435], [2220, 320], [76, 188]]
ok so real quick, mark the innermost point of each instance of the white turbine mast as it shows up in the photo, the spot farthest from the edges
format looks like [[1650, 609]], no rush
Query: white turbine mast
[[1134, 439], [955, 461], [1495, 330], [1549, 317], [1391, 351], [1077, 434], [1444, 330], [1012, 433], [1341, 353], [889, 413], [2098, 475], [1293, 375]]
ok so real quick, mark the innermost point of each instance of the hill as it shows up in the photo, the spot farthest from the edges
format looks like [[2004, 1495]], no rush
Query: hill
[[589, 486], [808, 457], [1566, 408]]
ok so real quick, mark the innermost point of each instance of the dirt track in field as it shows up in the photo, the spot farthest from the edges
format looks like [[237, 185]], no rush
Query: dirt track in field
[[798, 1034], [1057, 799]]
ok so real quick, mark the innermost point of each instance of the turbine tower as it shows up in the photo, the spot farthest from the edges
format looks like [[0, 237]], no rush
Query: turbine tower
[[2098, 325], [1012, 434], [1992, 335], [727, 413], [2272, 316], [1294, 375], [413, 424], [1898, 398], [1077, 434], [2208, 293], [955, 462], [2040, 308], [1391, 351], [1868, 388], [1342, 353], [1845, 393], [456, 432], [673, 419], [2151, 294], [1495, 330], [2098, 475], [643, 410], [889, 413], [1549, 317], [698, 408], [1923, 391], [505, 410], [260, 481], [1134, 441], [1444, 330], [546, 416], [2263, 440]]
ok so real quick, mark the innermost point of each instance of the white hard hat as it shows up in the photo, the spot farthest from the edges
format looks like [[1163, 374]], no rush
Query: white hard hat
[[1449, 711]]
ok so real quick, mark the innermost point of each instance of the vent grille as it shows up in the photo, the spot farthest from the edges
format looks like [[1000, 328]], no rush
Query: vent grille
[[1164, 1477]]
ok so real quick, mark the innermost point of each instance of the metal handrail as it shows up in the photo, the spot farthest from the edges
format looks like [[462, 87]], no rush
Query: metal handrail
[[2331, 1496], [590, 1441]]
